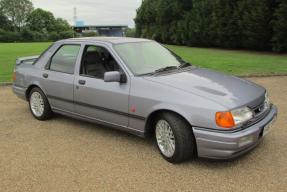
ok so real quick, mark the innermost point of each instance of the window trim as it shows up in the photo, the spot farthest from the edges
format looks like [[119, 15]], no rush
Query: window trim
[[123, 73], [48, 65], [43, 53]]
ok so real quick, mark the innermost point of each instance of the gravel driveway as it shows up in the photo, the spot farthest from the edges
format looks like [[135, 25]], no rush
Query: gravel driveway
[[63, 154]]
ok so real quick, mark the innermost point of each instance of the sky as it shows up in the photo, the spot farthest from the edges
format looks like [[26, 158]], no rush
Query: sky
[[93, 12]]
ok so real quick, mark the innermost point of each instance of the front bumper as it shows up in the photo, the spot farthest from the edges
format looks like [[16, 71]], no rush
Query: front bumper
[[227, 145]]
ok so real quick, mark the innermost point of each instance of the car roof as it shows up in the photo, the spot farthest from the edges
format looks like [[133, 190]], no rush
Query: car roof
[[112, 40]]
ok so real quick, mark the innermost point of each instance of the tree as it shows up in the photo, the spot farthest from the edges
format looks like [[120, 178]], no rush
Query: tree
[[90, 34], [63, 28], [185, 5], [200, 23], [62, 25], [162, 20], [280, 28], [256, 24], [130, 32], [249, 24], [16, 11], [225, 31], [146, 19], [4, 22], [44, 22], [41, 20], [29, 24]]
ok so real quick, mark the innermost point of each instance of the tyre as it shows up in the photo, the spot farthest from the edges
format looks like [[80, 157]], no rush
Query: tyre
[[174, 138], [39, 105]]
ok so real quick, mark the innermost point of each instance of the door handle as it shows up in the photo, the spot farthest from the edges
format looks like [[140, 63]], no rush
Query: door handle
[[45, 75], [82, 82]]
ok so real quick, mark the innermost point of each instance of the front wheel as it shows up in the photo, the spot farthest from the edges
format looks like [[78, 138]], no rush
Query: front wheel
[[174, 138], [39, 105]]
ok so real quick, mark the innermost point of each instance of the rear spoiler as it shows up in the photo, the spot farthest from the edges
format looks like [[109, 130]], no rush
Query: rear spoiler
[[28, 60]]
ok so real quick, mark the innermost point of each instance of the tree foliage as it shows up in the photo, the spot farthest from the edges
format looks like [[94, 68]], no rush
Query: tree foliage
[[41, 20], [62, 25], [256, 24], [16, 11], [20, 22], [280, 28], [44, 22], [4, 22], [130, 32]]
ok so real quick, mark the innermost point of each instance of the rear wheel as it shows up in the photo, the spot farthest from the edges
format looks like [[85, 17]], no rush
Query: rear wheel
[[174, 138], [39, 105]]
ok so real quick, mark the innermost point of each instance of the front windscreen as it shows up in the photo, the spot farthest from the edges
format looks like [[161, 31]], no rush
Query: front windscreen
[[146, 57]]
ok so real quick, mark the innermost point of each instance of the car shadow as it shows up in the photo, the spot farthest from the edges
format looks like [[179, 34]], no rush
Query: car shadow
[[112, 133], [104, 130]]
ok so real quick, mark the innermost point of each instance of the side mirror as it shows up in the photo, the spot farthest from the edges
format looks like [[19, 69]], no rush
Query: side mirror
[[113, 76]]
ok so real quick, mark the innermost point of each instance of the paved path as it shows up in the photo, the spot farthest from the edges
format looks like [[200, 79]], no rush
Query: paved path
[[68, 155]]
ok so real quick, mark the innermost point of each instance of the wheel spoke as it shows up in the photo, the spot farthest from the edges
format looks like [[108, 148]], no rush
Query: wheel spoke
[[37, 104], [165, 138]]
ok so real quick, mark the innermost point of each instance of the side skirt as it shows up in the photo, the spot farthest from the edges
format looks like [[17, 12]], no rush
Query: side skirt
[[101, 122]]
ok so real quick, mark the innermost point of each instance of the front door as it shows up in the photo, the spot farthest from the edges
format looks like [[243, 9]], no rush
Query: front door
[[96, 99]]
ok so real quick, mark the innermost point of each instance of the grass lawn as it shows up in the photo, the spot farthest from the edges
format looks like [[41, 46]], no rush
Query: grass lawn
[[232, 62], [9, 52]]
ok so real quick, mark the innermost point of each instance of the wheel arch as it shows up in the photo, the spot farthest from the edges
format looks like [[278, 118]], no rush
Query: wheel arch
[[30, 87], [149, 125]]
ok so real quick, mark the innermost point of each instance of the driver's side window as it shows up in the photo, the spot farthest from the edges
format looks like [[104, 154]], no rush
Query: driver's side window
[[96, 61]]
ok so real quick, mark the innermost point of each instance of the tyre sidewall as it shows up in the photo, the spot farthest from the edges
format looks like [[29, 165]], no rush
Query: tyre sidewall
[[176, 125], [47, 110]]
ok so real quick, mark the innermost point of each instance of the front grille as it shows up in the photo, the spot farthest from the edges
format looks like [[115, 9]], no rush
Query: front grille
[[260, 112], [259, 109]]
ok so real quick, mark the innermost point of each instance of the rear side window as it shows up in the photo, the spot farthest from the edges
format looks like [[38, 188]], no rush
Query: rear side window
[[65, 59]]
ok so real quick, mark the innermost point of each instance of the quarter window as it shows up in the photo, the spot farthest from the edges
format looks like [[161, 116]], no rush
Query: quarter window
[[65, 59]]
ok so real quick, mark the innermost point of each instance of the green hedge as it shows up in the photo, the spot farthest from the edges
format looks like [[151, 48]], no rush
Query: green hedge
[[235, 24], [33, 36]]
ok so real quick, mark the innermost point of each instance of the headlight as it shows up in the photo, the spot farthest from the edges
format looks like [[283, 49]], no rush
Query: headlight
[[241, 115], [267, 102], [232, 118]]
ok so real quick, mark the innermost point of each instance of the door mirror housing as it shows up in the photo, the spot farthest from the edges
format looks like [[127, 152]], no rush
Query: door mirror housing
[[114, 76]]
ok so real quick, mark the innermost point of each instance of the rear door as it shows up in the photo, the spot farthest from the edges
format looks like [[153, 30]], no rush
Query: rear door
[[96, 99], [58, 77]]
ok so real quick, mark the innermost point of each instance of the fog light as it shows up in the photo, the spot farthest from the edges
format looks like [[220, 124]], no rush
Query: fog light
[[246, 140]]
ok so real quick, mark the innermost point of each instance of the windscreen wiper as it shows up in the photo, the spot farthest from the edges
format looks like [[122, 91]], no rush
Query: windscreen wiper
[[168, 68], [184, 64], [165, 69]]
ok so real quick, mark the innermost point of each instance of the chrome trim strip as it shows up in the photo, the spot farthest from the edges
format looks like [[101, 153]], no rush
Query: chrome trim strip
[[98, 107], [97, 120]]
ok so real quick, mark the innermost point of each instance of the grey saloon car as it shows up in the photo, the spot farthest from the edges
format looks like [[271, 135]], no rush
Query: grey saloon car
[[139, 86]]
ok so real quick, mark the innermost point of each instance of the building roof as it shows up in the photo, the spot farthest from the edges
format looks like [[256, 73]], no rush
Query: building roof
[[113, 40]]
